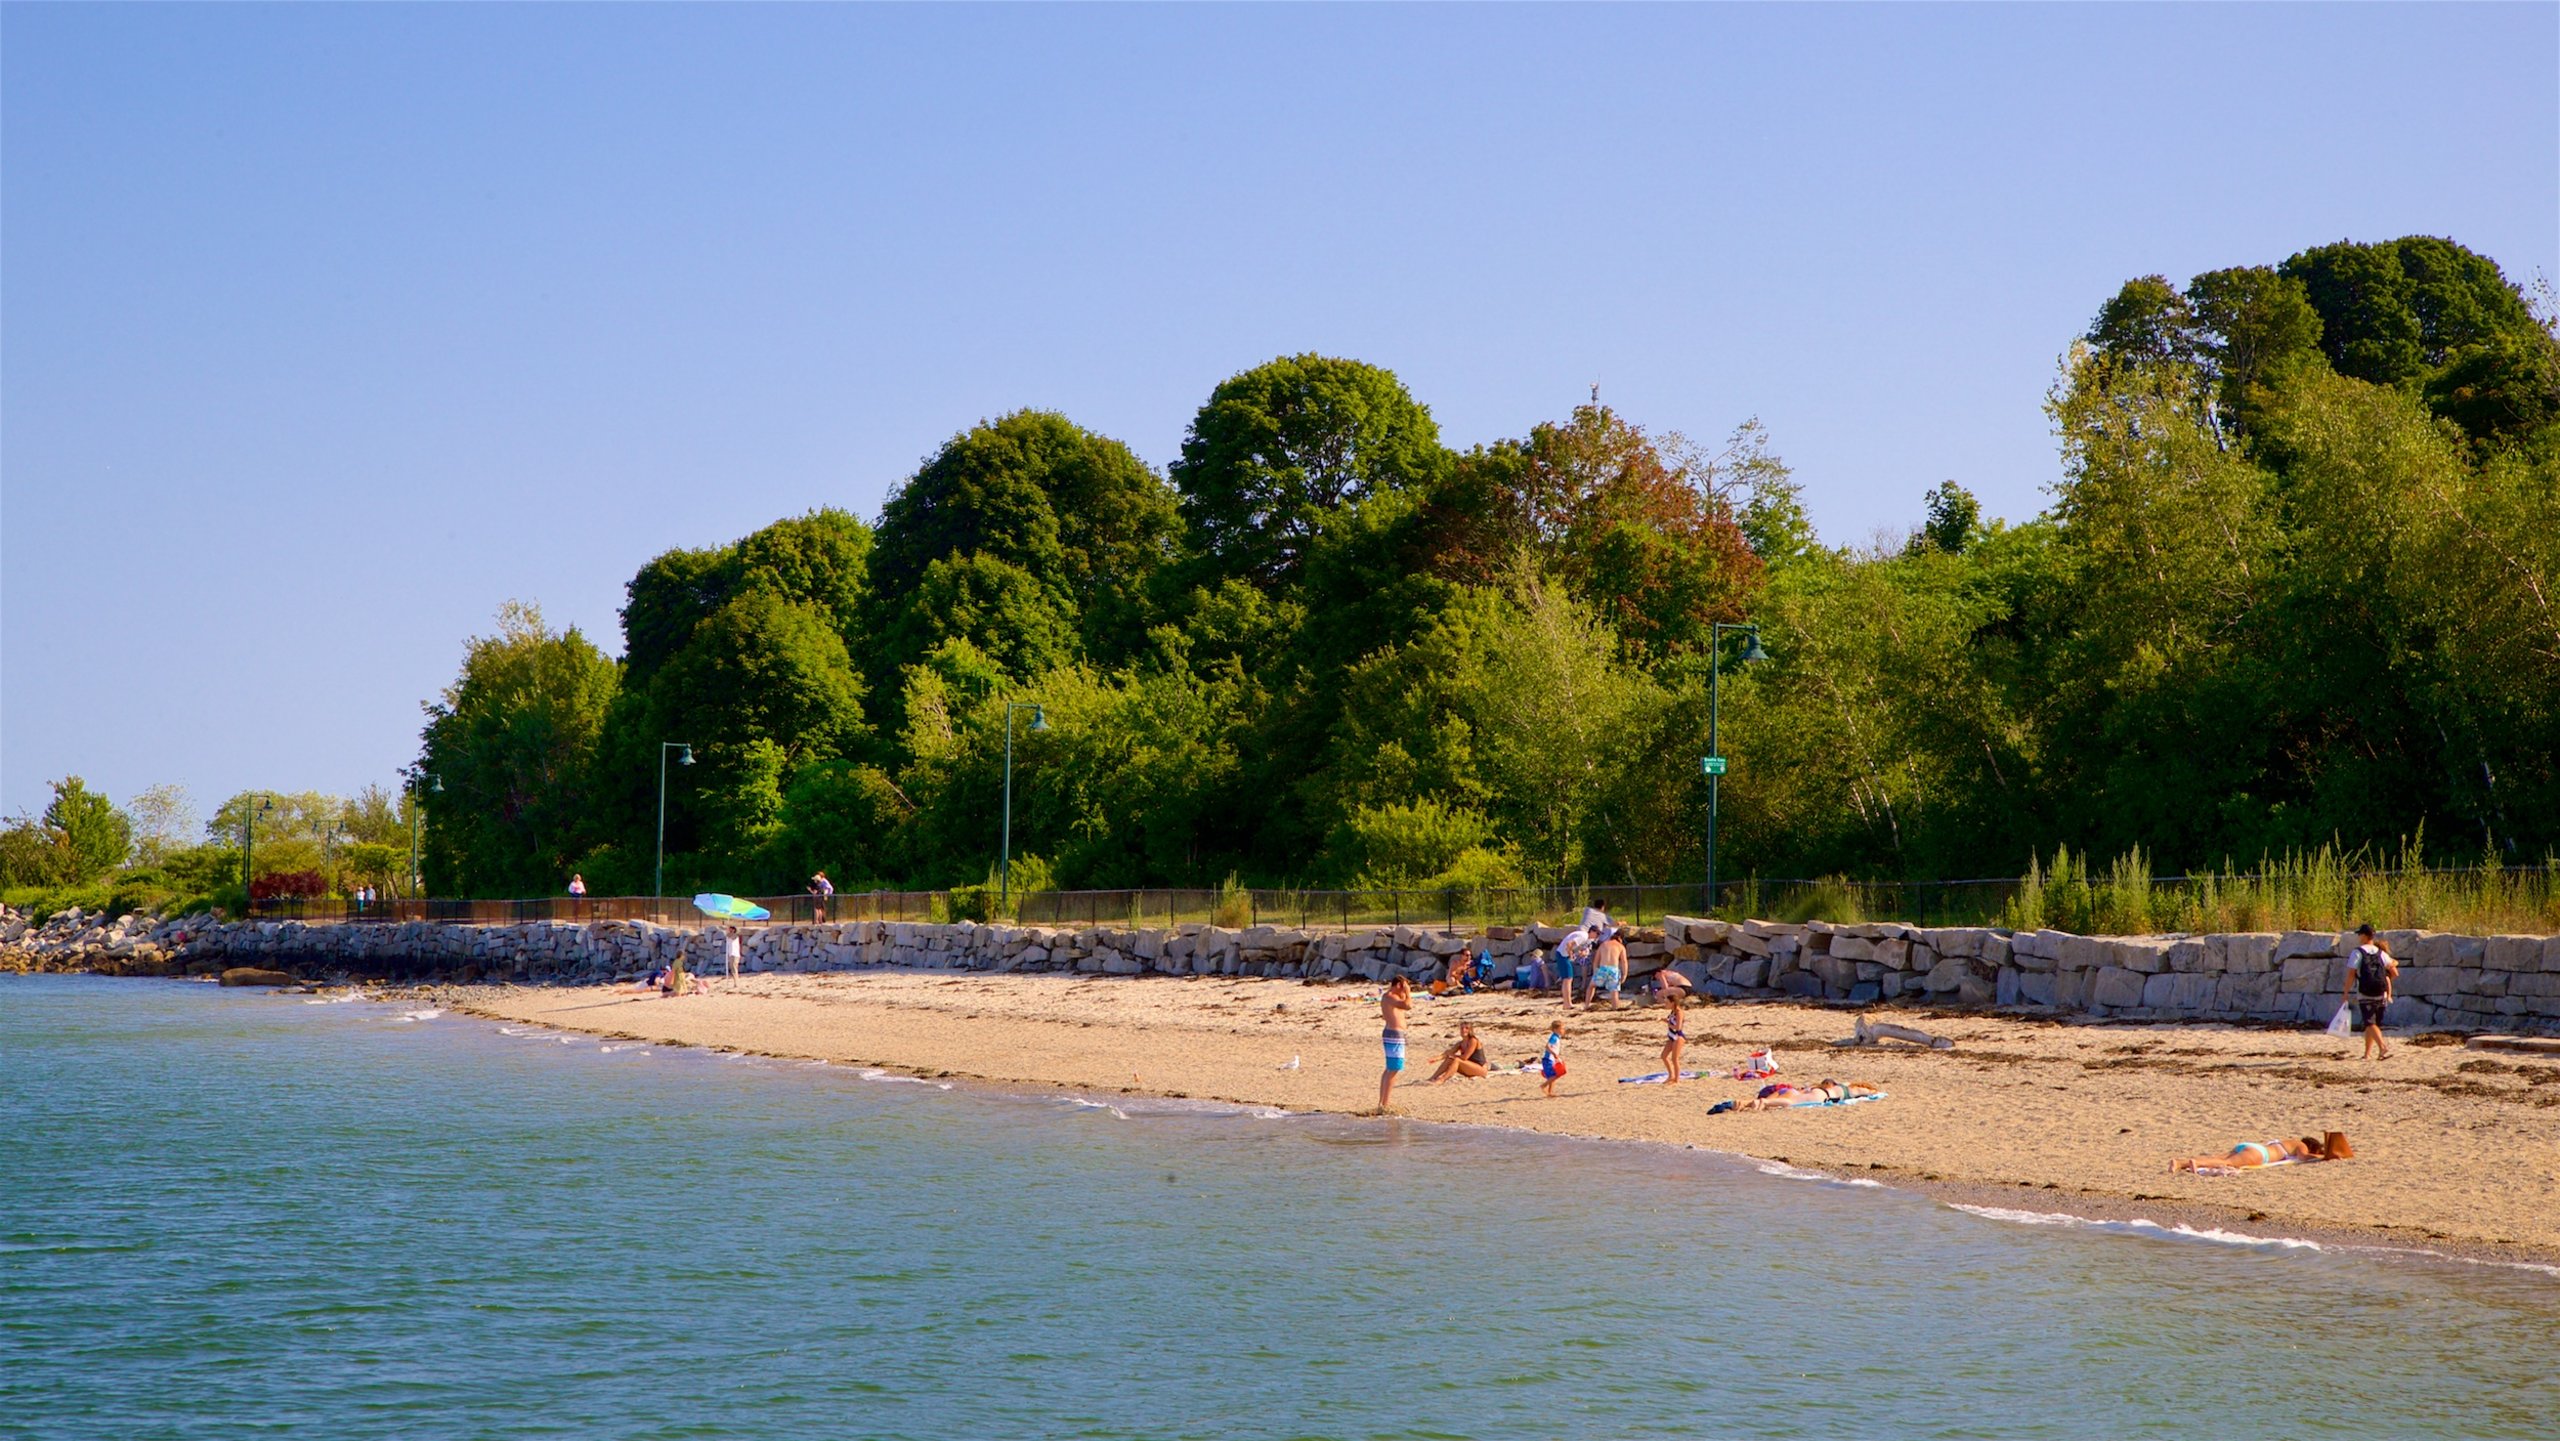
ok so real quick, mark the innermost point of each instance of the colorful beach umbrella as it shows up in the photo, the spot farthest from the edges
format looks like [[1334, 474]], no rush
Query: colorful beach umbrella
[[730, 908]]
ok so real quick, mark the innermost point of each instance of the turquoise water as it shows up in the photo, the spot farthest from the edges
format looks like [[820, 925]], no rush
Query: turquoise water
[[231, 1214]]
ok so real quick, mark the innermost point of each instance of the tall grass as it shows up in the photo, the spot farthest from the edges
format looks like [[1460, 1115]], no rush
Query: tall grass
[[2323, 890]]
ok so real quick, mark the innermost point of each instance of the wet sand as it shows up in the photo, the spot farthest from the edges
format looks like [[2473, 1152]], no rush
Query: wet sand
[[2458, 1151]]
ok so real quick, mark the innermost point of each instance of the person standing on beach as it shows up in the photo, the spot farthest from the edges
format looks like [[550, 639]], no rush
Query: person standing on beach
[[1608, 967], [1551, 1060], [1675, 1039], [734, 953], [1573, 959], [1393, 1004], [2371, 978]]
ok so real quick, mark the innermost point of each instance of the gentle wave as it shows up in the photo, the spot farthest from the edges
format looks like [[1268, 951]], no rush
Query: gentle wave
[[880, 1075], [428, 1014], [1797, 1173], [2184, 1232]]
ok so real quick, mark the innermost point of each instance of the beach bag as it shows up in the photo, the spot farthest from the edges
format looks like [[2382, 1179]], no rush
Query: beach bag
[[2339, 1025]]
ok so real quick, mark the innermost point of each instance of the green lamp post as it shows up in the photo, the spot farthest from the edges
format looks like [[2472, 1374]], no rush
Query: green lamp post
[[420, 782], [249, 847], [1713, 764], [684, 757], [1004, 867]]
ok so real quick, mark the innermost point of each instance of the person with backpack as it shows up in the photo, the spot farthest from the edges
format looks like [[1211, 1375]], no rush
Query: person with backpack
[[2371, 976]]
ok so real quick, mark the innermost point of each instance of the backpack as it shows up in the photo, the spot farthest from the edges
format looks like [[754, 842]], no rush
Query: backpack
[[2369, 973]]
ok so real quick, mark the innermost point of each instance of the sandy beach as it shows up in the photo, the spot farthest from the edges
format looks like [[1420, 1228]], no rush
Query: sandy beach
[[2458, 1150]]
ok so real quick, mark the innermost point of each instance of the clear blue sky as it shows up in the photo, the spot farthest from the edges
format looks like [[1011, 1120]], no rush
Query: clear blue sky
[[324, 330]]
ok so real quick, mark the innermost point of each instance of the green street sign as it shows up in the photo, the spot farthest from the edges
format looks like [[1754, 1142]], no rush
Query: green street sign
[[1712, 765]]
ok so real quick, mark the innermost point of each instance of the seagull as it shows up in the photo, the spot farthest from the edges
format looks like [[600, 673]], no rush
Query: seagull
[[1292, 1065]]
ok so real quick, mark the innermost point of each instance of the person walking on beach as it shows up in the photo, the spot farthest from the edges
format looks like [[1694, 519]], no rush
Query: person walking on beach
[[2372, 975], [735, 953], [1393, 1004], [1551, 1061], [1608, 967]]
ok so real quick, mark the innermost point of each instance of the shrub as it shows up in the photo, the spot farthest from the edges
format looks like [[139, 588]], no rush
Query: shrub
[[287, 883]]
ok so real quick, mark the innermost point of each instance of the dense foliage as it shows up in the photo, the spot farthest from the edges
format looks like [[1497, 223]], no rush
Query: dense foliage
[[2299, 585]]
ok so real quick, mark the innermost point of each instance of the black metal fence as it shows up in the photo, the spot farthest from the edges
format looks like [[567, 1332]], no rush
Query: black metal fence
[[662, 910]]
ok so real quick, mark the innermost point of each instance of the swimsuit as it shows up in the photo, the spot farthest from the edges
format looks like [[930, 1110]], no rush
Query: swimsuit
[[1548, 1065], [1673, 1032], [1394, 1041], [2267, 1151]]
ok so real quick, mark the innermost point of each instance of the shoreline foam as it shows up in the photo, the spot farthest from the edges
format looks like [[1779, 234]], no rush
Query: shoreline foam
[[2021, 1118]]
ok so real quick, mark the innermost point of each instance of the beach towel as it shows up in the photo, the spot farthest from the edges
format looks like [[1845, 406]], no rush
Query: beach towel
[[1843, 1101], [2243, 1170], [1656, 1079]]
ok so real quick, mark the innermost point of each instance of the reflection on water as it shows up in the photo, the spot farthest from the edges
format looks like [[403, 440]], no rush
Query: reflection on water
[[222, 1214]]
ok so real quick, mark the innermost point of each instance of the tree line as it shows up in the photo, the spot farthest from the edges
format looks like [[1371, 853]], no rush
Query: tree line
[[2298, 585]]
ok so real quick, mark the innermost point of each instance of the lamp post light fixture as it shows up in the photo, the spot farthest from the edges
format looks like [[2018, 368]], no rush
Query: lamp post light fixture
[[684, 757], [249, 846], [420, 782], [1004, 869], [1713, 764]]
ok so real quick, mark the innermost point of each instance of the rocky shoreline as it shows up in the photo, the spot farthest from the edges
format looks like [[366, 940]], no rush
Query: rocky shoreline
[[2448, 981]]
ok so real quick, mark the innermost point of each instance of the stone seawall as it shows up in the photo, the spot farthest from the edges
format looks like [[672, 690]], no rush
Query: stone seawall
[[2489, 983]]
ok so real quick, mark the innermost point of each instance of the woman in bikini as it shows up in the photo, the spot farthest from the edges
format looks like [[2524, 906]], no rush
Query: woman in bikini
[[1467, 1058], [1782, 1095], [1393, 1003], [2329, 1147], [1675, 1039]]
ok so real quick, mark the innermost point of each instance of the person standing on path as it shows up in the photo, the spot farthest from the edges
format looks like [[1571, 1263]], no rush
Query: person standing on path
[[577, 895], [2372, 975], [1393, 1004], [734, 953], [825, 891]]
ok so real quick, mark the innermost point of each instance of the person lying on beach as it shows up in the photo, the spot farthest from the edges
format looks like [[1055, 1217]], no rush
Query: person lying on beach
[[2331, 1146], [1467, 1058], [1784, 1095]]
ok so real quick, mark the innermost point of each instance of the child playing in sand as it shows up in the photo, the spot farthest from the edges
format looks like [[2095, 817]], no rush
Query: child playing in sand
[[1674, 1040], [1551, 1062]]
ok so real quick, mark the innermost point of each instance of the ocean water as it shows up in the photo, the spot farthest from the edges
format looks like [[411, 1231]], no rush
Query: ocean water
[[229, 1214]]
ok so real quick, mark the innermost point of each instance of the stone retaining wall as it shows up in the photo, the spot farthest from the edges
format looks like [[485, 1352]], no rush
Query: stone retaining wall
[[2505, 983]]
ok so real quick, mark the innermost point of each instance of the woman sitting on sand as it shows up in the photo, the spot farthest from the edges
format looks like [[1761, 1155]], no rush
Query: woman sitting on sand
[[1782, 1095], [1467, 1058], [2331, 1146]]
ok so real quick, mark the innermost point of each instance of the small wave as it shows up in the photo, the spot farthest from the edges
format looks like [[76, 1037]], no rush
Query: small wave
[[514, 1031], [2139, 1227], [428, 1014], [2184, 1232], [1797, 1173], [879, 1075], [1084, 1105]]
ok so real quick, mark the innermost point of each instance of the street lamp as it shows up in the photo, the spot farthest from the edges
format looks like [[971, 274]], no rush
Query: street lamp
[[684, 757], [417, 802], [1713, 764], [1039, 722], [249, 845]]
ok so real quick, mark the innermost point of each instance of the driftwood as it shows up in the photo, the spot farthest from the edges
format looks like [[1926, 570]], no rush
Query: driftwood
[[1873, 1032]]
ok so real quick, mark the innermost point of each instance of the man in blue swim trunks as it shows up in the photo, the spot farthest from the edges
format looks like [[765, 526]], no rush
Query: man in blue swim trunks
[[1393, 1006], [1573, 958]]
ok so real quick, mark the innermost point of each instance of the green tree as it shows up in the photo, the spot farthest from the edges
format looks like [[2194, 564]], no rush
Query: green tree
[[1954, 523], [95, 836], [164, 823], [513, 739], [1037, 495], [1282, 445]]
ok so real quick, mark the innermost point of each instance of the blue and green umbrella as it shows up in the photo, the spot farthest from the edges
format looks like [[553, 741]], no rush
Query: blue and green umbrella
[[730, 908]]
